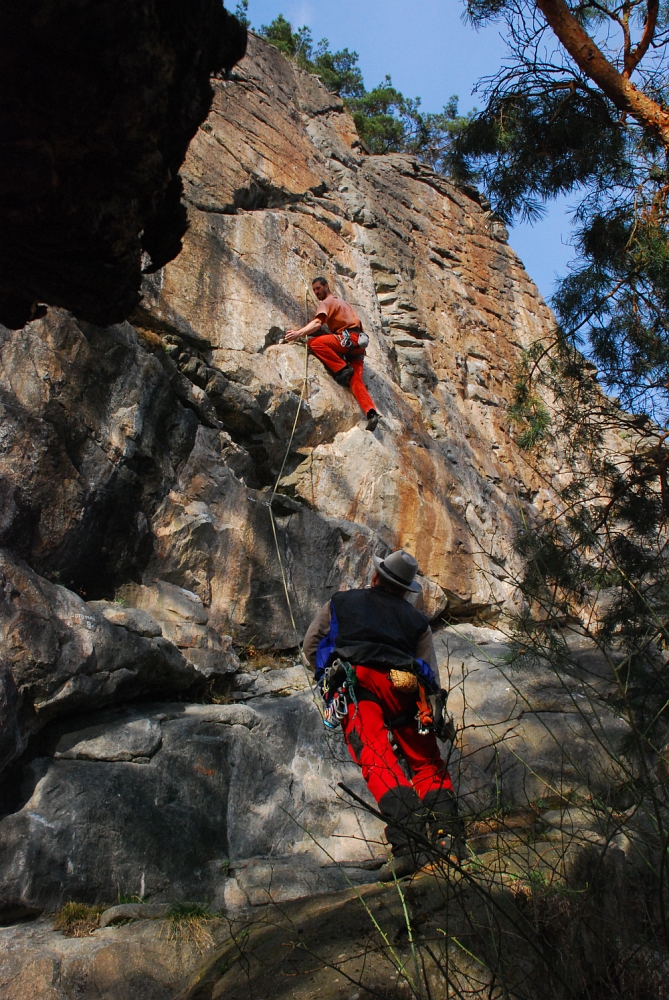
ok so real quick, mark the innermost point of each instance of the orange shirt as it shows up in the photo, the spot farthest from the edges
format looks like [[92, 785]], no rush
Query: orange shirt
[[337, 315]]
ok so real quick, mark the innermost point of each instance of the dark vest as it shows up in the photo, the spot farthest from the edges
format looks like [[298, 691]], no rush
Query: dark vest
[[376, 628]]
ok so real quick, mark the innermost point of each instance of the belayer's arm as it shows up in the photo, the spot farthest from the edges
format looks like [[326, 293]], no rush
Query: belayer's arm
[[425, 651], [318, 629]]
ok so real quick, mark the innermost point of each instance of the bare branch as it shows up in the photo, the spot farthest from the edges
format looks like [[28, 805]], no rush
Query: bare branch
[[634, 58]]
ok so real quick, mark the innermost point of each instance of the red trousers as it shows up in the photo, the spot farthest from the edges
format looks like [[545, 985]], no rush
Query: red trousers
[[328, 349], [366, 735]]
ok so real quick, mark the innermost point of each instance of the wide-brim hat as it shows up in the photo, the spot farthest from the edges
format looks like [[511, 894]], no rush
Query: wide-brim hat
[[399, 568]]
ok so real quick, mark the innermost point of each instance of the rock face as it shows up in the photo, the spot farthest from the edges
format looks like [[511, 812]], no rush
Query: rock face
[[61, 655], [275, 198], [153, 446], [157, 508], [220, 802], [91, 154], [162, 800], [92, 430], [529, 736], [180, 617]]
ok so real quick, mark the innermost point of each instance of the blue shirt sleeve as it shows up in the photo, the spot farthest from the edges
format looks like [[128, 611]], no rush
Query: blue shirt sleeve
[[326, 646]]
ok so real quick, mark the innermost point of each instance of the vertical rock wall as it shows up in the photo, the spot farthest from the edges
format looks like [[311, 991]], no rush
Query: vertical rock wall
[[278, 192], [137, 463]]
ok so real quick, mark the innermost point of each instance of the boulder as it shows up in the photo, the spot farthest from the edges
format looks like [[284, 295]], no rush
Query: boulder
[[161, 801], [530, 734], [138, 960], [179, 616], [62, 656]]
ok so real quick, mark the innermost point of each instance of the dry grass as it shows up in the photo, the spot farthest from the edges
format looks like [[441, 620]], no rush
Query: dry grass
[[260, 659], [186, 922], [150, 339], [218, 691], [78, 919]]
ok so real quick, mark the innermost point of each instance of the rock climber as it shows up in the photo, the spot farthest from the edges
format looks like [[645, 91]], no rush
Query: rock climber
[[342, 350], [375, 662]]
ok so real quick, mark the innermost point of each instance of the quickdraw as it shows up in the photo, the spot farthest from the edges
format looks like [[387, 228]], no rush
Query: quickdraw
[[425, 715], [344, 338], [337, 700]]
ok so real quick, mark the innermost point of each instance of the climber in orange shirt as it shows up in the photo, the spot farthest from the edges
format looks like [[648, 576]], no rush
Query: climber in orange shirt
[[342, 350]]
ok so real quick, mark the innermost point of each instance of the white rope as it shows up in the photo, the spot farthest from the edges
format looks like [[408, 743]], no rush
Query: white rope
[[271, 502]]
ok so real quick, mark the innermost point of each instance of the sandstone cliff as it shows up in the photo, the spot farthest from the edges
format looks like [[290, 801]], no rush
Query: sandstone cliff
[[151, 448], [139, 756], [279, 191]]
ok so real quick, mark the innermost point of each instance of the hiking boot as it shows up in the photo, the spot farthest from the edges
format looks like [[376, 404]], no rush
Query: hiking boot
[[401, 867], [444, 826], [343, 377], [451, 848], [372, 420]]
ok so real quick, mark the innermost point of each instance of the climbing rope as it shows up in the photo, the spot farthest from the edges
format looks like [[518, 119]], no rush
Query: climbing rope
[[276, 486], [270, 504]]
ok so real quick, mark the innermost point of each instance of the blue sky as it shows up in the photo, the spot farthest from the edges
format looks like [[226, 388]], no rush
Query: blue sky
[[430, 53]]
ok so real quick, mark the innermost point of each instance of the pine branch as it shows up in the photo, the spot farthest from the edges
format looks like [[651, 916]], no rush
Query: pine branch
[[591, 60]]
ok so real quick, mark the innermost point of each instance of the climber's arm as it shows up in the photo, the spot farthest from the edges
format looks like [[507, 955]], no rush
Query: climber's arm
[[304, 331], [425, 651], [318, 629]]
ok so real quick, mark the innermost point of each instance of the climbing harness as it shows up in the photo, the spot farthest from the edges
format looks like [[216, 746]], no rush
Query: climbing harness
[[431, 716], [344, 338]]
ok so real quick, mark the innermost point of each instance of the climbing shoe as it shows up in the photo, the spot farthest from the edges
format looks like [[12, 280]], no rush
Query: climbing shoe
[[372, 420], [343, 377], [402, 866]]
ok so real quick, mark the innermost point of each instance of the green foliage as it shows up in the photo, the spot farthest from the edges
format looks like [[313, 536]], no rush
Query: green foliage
[[387, 122], [528, 410], [185, 912], [123, 897], [297, 45], [378, 115], [339, 71], [242, 12], [547, 130], [526, 147]]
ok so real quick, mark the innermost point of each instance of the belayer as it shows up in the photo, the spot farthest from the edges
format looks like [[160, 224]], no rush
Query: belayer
[[342, 350], [375, 662]]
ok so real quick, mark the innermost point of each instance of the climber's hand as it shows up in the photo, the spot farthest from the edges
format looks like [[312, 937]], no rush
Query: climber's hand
[[292, 335]]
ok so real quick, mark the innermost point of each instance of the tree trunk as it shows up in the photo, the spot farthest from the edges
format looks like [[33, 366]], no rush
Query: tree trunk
[[648, 113]]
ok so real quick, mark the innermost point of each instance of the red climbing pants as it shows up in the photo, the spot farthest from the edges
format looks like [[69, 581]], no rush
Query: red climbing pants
[[366, 735], [328, 348]]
